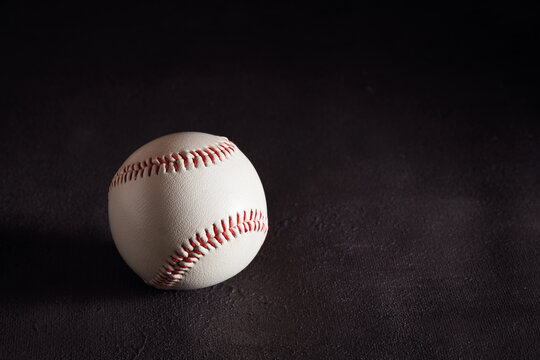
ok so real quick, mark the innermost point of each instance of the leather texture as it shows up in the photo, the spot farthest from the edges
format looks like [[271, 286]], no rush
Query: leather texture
[[157, 213]]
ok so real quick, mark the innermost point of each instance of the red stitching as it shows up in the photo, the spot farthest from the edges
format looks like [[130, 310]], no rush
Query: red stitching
[[149, 167], [215, 152], [201, 242], [185, 160], [202, 156], [185, 258], [210, 155], [194, 158]]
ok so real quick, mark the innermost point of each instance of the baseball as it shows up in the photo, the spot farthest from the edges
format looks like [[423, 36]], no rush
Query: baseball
[[187, 211]]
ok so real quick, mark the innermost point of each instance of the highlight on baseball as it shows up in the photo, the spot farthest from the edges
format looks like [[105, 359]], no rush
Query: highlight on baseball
[[187, 211]]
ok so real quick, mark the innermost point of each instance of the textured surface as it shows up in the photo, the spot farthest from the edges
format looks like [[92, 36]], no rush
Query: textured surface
[[166, 220], [399, 154]]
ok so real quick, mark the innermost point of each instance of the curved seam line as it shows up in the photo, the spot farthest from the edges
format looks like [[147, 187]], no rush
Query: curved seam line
[[174, 162], [186, 256]]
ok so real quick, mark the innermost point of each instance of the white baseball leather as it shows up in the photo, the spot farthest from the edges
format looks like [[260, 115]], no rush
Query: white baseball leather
[[187, 211]]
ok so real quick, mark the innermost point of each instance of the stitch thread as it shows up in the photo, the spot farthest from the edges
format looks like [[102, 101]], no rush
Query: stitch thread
[[188, 254], [174, 162]]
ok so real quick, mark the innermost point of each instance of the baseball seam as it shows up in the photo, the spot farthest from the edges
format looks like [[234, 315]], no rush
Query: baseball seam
[[174, 162], [187, 255]]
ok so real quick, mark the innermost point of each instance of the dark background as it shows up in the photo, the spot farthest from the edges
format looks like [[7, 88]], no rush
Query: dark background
[[399, 149]]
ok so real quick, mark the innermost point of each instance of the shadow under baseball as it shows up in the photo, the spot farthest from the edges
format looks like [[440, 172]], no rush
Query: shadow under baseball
[[37, 265]]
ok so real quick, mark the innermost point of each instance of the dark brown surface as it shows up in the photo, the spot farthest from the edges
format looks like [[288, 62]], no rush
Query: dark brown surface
[[399, 152]]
